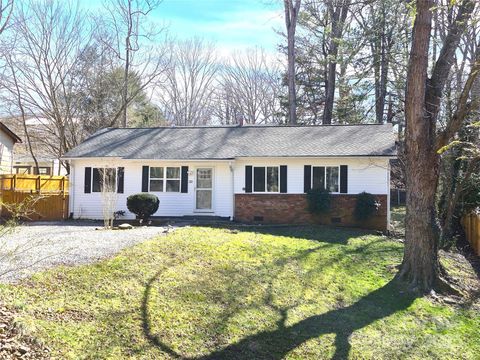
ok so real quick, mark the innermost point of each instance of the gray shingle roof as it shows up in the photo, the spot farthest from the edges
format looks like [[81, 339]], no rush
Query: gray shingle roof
[[233, 142]]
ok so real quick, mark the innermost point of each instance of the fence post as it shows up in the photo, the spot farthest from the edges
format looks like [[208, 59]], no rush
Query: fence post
[[477, 235], [471, 233]]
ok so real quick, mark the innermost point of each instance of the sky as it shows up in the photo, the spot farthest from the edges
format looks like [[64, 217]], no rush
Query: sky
[[231, 24]]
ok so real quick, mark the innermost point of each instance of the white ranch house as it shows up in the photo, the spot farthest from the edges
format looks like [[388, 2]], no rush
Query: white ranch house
[[244, 173]]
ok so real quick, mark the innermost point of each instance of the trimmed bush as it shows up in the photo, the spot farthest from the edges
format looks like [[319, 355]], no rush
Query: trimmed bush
[[318, 201], [143, 205], [366, 206]]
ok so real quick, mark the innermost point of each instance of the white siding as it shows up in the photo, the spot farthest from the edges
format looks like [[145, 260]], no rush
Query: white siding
[[6, 153], [364, 174], [89, 206]]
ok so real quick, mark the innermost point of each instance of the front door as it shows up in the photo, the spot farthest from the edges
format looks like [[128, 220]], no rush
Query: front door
[[204, 189]]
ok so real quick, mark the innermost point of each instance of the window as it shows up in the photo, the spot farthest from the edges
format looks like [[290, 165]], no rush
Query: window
[[173, 179], [165, 179], [156, 178], [43, 170], [265, 179], [332, 178], [104, 179], [272, 179], [325, 177], [22, 169]]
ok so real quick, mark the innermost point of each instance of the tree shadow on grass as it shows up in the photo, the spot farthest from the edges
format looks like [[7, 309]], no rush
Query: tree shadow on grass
[[276, 344], [342, 322]]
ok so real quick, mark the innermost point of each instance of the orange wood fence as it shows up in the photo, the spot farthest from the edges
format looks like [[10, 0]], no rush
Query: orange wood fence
[[47, 195], [471, 225]]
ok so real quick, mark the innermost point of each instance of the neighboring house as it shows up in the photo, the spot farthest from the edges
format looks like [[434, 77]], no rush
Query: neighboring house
[[41, 138], [249, 174], [24, 164], [7, 141]]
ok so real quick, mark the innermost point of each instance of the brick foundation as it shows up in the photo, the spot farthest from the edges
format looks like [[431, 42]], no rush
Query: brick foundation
[[293, 209]]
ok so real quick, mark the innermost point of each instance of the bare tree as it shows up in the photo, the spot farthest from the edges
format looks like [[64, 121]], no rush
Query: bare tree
[[251, 87], [187, 95], [337, 12], [47, 38], [129, 37], [6, 10], [14, 95], [108, 187], [292, 9], [381, 23]]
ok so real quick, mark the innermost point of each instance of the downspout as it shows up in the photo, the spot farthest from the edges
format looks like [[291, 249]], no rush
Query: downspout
[[232, 172], [71, 192], [388, 196]]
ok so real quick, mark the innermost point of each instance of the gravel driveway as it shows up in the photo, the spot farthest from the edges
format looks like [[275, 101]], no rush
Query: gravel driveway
[[40, 245]]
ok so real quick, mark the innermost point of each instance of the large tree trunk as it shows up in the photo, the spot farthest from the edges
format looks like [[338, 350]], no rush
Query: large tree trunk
[[329, 93], [422, 104], [292, 93], [338, 14], [420, 263], [291, 15]]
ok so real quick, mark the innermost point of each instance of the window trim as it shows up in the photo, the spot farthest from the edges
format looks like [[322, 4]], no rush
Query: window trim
[[165, 178], [266, 179], [101, 190], [325, 176]]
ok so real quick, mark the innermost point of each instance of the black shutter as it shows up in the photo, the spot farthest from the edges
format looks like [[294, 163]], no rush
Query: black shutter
[[343, 179], [318, 177], [307, 178], [88, 180], [145, 178], [120, 179], [97, 185], [283, 178], [184, 179], [248, 179]]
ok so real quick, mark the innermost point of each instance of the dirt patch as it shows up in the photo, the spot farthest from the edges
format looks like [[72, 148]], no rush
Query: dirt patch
[[16, 345]]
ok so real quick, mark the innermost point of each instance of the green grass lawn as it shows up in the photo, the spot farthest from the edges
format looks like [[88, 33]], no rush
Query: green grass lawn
[[295, 293], [397, 214]]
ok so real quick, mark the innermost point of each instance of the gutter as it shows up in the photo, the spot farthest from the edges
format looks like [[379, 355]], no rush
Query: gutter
[[228, 159]]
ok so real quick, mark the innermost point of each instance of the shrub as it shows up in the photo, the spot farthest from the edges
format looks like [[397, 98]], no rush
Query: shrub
[[143, 205], [366, 206], [318, 201]]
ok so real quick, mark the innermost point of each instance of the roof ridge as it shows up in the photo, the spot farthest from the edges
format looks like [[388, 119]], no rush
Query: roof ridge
[[248, 126]]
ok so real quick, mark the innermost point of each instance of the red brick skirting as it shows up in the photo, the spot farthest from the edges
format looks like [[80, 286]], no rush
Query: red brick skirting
[[293, 209]]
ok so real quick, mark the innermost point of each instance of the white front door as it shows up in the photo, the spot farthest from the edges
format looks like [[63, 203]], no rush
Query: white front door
[[204, 189]]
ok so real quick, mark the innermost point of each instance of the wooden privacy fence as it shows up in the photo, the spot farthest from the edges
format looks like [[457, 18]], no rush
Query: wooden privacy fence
[[47, 195], [471, 225]]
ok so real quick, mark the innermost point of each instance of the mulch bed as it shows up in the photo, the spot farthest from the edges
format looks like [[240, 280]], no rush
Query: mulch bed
[[16, 345]]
